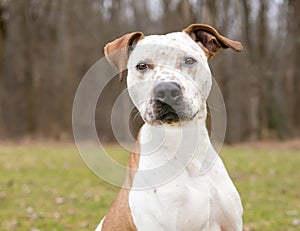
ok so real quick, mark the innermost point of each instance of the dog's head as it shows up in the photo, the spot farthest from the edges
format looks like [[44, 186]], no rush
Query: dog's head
[[168, 76]]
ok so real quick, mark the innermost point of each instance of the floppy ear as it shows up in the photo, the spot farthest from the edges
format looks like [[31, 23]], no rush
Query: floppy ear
[[210, 40], [117, 51]]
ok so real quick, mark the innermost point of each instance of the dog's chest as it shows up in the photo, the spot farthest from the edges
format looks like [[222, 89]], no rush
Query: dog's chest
[[189, 199], [182, 204]]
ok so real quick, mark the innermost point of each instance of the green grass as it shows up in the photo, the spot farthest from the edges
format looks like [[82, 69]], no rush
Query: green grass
[[269, 183], [49, 188]]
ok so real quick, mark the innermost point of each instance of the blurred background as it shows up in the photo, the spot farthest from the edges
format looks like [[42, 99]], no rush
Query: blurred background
[[46, 47]]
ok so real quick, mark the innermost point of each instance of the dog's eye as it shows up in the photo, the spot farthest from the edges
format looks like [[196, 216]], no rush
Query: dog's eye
[[189, 60], [142, 67]]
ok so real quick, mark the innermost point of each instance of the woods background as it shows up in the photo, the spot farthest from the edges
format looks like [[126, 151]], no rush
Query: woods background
[[46, 47]]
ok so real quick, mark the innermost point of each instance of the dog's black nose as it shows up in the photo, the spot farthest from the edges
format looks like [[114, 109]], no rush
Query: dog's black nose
[[167, 92]]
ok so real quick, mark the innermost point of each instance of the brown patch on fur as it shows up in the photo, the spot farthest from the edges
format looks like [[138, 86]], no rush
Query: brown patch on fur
[[119, 216], [210, 40], [117, 51]]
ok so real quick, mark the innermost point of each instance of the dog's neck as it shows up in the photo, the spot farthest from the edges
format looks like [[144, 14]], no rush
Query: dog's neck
[[185, 147]]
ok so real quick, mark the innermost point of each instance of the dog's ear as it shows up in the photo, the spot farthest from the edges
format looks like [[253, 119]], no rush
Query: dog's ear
[[117, 51], [210, 40]]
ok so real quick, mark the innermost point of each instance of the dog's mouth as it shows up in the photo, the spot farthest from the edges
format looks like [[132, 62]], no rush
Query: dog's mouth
[[169, 118], [163, 113]]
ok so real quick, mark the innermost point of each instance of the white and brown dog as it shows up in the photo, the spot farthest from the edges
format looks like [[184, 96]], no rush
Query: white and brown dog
[[175, 179]]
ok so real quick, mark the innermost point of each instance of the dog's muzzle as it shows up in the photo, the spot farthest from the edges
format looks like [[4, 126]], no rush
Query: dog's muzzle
[[168, 105]]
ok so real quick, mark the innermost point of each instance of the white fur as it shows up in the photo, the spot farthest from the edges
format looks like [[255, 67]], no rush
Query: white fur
[[194, 199]]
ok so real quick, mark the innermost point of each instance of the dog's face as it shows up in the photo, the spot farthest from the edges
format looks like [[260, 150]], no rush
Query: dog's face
[[168, 78]]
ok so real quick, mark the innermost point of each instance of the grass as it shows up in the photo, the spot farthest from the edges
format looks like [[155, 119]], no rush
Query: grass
[[268, 181], [49, 188]]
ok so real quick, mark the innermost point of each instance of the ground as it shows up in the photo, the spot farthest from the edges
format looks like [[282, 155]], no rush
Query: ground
[[48, 187]]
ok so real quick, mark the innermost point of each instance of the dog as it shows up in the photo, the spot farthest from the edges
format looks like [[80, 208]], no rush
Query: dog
[[175, 178]]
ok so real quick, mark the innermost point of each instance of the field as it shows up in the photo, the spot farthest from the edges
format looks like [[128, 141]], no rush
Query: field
[[48, 187]]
